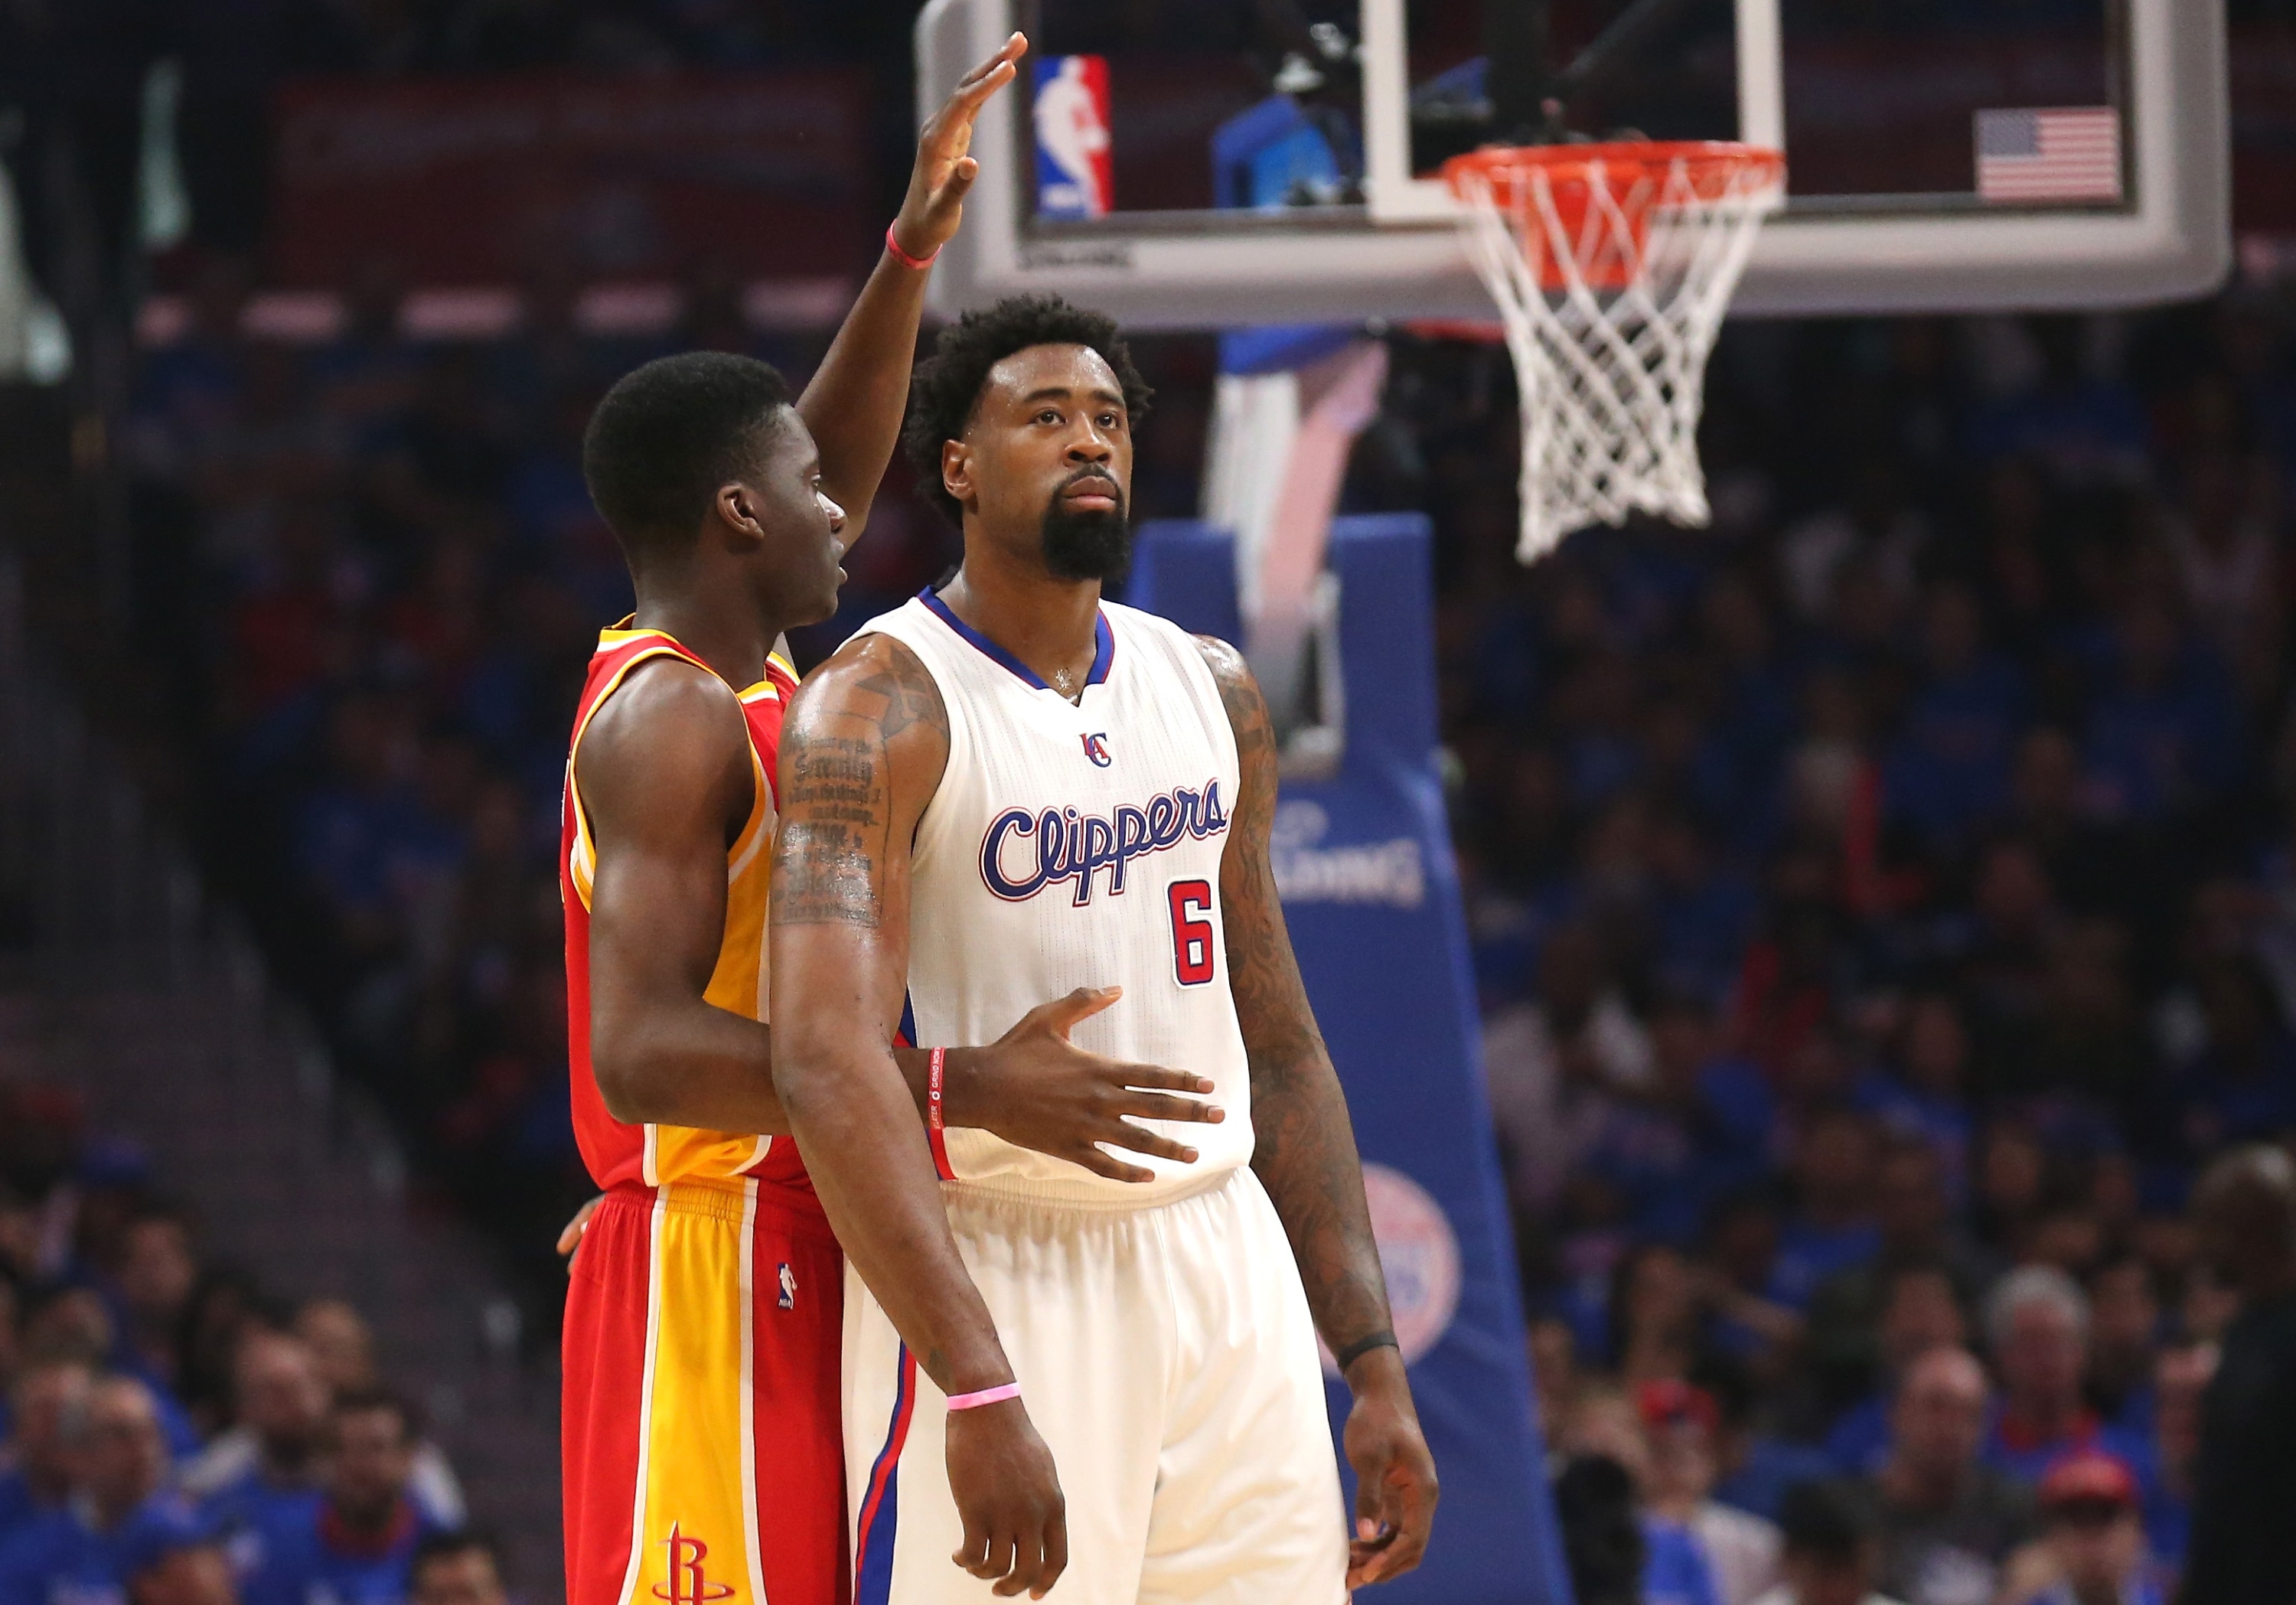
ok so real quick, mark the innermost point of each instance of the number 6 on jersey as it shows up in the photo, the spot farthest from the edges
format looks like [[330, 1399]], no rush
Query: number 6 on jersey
[[1191, 931]]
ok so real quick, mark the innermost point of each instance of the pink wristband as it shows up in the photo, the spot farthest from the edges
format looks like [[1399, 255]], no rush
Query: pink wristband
[[935, 1072], [902, 256], [986, 1395]]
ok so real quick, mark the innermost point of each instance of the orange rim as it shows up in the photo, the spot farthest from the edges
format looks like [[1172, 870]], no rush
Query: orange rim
[[1633, 174], [1710, 163]]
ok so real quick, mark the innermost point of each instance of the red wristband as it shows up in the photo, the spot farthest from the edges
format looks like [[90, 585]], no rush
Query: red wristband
[[936, 1077], [902, 256]]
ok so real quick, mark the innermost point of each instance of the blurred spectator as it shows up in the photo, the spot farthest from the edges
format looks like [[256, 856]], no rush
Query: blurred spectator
[[49, 1398], [1654, 1316], [1755, 1465], [1602, 1542], [1947, 1522], [2243, 1551], [2180, 1379], [2092, 1538], [153, 1277], [1928, 1099], [356, 1544], [2037, 1326], [1920, 1312], [1865, 1317], [118, 1515], [343, 1345], [188, 1570], [1680, 1426], [2124, 1340], [1831, 1555], [1555, 1066], [1833, 1227], [281, 1407], [458, 1568]]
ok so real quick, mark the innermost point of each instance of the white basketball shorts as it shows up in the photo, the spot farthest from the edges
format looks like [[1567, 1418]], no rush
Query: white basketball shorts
[[1167, 1356]]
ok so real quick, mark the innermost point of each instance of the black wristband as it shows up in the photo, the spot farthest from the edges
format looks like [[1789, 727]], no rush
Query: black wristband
[[1361, 1346]]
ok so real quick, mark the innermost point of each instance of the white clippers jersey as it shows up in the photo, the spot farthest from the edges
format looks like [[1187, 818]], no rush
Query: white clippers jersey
[[1079, 845]]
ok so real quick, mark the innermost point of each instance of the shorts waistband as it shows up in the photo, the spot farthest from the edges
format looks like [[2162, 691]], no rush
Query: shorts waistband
[[729, 1202], [1104, 1199]]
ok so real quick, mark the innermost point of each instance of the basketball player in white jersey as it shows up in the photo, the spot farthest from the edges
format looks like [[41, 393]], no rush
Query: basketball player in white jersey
[[1000, 790]]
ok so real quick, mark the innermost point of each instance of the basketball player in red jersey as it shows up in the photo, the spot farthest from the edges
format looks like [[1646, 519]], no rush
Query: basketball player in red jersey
[[702, 1455]]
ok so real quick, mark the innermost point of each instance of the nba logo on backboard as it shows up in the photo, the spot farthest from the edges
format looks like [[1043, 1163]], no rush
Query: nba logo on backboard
[[1073, 174]]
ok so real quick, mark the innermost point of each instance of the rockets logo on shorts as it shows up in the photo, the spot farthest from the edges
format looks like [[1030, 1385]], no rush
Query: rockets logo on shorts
[[688, 1585]]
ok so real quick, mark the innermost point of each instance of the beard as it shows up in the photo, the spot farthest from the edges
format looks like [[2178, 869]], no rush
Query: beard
[[1087, 544]]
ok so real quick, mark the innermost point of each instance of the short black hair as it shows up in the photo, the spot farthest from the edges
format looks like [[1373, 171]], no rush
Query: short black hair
[[669, 434], [373, 1401], [948, 384], [436, 1547], [1825, 1521]]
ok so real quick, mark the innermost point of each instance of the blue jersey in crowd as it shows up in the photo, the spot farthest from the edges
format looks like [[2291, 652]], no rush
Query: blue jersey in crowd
[[258, 1520], [1675, 1571], [61, 1559], [320, 1562]]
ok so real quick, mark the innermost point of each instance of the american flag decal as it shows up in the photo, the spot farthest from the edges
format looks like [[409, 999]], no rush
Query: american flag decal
[[2064, 153]]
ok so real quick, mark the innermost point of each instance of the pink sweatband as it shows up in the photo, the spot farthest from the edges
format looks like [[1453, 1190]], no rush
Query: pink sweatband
[[902, 256], [986, 1395]]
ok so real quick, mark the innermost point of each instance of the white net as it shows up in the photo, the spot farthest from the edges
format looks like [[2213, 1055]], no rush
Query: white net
[[1612, 276]]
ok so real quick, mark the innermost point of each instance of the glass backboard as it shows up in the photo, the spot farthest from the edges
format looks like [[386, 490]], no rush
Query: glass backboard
[[1213, 162]]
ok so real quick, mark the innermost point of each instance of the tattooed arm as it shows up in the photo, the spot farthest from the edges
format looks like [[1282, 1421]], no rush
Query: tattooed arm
[[862, 754], [1306, 1159]]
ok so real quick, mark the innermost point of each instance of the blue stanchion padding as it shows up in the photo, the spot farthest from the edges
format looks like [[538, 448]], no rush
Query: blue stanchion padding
[[1370, 892]]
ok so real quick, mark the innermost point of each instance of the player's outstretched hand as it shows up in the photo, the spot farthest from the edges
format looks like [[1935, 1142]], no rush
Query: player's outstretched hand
[[945, 170], [1395, 1475], [1037, 1089], [1016, 1524]]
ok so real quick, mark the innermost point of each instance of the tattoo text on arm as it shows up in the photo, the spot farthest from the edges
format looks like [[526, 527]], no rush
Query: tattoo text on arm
[[837, 813]]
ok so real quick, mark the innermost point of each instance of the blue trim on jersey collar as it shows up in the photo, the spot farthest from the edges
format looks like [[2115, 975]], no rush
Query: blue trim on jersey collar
[[1103, 652]]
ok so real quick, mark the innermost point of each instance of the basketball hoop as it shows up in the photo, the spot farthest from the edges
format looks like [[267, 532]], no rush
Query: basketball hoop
[[1611, 266]]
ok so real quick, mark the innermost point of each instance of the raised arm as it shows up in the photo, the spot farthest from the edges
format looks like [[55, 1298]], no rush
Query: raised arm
[[854, 402], [1306, 1160], [862, 754]]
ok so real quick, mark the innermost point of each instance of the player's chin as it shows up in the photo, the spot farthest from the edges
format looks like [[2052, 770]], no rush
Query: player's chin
[[824, 604]]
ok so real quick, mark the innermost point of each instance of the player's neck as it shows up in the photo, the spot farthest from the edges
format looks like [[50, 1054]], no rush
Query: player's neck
[[712, 622], [1051, 624]]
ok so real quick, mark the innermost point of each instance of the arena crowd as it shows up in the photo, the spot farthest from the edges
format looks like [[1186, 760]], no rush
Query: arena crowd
[[1884, 902], [171, 1432]]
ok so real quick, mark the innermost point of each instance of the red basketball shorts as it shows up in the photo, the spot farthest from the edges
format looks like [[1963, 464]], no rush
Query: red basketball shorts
[[701, 1440]]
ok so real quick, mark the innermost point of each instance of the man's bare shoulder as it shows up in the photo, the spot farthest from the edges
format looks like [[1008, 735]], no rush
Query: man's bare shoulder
[[671, 722], [876, 677], [1239, 690], [1227, 663]]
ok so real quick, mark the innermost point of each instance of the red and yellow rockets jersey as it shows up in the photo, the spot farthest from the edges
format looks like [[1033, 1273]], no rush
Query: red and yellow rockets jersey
[[619, 1154]]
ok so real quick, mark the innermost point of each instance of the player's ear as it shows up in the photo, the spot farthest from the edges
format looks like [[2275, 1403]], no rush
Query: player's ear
[[956, 469], [737, 508]]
